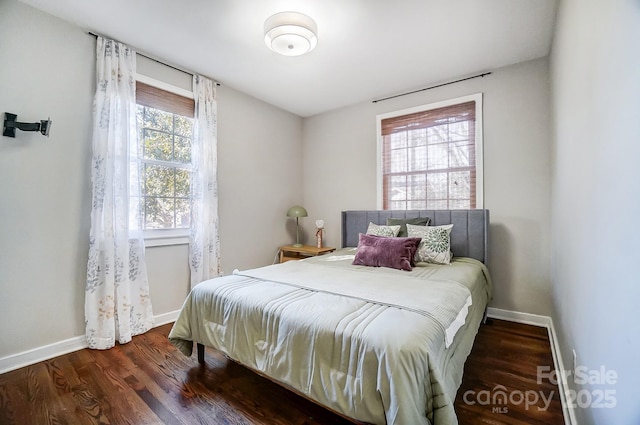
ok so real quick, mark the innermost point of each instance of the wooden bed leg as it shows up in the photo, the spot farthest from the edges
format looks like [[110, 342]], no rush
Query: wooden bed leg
[[484, 316], [200, 353]]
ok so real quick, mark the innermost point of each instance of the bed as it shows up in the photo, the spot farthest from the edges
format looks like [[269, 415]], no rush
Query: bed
[[375, 344]]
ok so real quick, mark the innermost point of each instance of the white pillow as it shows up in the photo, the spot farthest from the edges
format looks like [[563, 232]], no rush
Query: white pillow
[[435, 246], [378, 230]]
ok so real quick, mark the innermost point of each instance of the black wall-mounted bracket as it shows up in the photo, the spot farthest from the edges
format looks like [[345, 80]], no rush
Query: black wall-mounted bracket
[[10, 125]]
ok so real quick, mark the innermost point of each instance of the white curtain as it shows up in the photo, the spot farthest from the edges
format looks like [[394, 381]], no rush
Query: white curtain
[[204, 243], [117, 303]]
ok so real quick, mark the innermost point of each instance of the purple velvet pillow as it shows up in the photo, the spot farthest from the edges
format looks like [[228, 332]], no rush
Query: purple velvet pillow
[[380, 251]]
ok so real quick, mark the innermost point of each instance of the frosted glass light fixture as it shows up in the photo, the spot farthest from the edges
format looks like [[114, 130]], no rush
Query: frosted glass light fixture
[[290, 33]]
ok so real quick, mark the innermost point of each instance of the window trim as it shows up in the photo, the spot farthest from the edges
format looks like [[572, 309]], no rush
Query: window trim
[[165, 237], [477, 98]]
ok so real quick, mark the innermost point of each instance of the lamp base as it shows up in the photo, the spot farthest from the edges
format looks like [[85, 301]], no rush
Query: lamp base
[[297, 245]]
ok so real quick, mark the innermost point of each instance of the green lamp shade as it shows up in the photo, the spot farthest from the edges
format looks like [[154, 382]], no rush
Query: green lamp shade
[[297, 211]]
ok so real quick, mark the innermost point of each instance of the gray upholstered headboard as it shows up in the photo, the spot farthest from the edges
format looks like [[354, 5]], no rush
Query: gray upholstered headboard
[[469, 235]]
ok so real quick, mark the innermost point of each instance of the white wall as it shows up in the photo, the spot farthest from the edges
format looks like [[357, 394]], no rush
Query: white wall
[[45, 190], [259, 169], [340, 173], [596, 196], [47, 70]]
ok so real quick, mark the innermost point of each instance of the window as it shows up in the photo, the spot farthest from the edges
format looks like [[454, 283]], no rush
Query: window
[[430, 157], [164, 122]]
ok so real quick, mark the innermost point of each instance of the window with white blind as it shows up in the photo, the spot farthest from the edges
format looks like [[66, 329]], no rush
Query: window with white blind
[[164, 122], [430, 157]]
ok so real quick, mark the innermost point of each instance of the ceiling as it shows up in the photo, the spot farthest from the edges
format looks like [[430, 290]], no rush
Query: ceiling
[[367, 49]]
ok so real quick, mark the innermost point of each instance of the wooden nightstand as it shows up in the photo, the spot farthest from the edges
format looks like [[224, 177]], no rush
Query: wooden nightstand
[[290, 252]]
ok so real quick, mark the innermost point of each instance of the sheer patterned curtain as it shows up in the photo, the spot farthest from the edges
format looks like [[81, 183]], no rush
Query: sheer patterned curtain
[[117, 303], [204, 243]]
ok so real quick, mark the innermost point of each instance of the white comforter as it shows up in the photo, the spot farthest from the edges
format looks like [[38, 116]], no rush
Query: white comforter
[[370, 343]]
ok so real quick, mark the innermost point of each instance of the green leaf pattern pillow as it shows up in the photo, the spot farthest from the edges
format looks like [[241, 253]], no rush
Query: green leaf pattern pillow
[[388, 231], [435, 246]]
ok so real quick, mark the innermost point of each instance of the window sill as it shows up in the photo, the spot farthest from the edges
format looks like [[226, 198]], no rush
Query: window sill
[[155, 238]]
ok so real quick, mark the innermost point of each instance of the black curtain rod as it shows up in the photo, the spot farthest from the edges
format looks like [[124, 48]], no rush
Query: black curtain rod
[[159, 61], [432, 87]]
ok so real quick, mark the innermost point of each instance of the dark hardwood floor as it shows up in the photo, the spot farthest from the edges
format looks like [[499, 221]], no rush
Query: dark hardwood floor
[[505, 360], [149, 382]]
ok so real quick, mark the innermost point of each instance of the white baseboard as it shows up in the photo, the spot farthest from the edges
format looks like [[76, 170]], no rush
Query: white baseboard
[[163, 319], [545, 322], [49, 351], [516, 316], [38, 354]]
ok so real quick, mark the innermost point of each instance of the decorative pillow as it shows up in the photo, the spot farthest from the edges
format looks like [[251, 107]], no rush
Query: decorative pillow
[[418, 221], [435, 246], [378, 230], [381, 251]]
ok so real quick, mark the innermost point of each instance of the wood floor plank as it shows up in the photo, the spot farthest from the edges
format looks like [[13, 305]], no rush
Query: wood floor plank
[[82, 397], [148, 381], [505, 360], [7, 407], [171, 373], [161, 395]]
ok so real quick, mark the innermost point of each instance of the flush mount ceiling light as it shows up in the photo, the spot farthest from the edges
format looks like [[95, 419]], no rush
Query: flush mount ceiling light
[[290, 33]]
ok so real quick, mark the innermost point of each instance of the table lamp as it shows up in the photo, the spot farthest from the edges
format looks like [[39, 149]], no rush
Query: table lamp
[[297, 211]]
